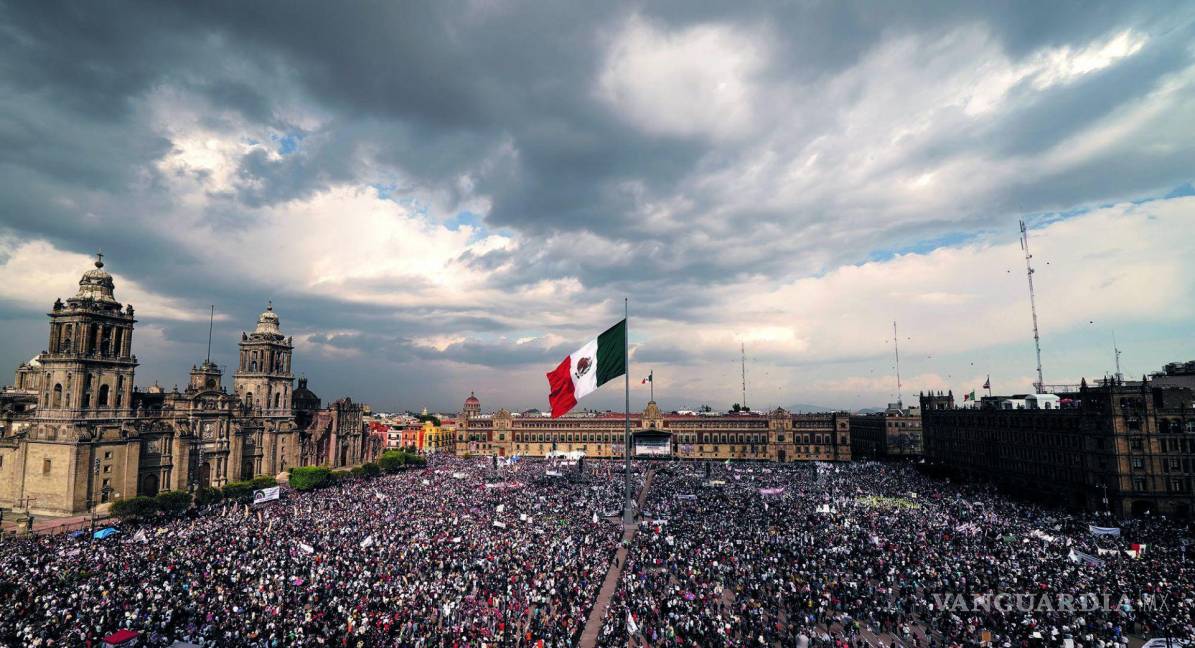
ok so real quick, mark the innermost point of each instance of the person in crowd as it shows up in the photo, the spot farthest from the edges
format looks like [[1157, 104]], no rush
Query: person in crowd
[[873, 554], [505, 557]]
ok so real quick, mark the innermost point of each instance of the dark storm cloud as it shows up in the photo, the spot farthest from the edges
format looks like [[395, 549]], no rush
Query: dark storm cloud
[[416, 96]]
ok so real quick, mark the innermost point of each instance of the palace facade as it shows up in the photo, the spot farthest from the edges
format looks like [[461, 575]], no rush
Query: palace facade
[[77, 433], [776, 436]]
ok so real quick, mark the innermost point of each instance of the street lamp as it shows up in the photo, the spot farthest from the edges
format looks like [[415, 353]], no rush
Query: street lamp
[[105, 492]]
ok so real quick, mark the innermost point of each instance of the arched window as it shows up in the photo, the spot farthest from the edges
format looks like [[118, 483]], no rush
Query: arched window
[[65, 345], [86, 391], [103, 402], [277, 399], [106, 341], [57, 396], [253, 366], [249, 399]]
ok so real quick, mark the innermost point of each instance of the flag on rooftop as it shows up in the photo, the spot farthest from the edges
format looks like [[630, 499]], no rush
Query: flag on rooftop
[[593, 365]]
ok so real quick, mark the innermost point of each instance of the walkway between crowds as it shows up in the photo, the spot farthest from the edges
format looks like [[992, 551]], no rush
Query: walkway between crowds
[[598, 614]]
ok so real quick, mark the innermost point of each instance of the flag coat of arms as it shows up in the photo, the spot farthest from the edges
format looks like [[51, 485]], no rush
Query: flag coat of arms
[[583, 371]]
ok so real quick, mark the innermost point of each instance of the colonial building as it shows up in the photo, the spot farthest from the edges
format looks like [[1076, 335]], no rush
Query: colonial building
[[76, 432], [776, 436], [893, 433], [1123, 447]]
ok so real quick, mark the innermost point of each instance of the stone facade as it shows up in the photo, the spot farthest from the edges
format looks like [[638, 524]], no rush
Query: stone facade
[[1123, 447], [76, 433], [893, 433], [776, 436]]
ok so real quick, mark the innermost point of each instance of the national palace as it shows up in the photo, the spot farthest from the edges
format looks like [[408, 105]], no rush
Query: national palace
[[776, 436], [76, 432]]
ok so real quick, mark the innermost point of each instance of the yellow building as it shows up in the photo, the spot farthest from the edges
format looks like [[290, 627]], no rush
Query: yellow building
[[776, 436]]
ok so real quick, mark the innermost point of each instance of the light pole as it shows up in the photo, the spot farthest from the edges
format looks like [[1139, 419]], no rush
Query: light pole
[[91, 501]]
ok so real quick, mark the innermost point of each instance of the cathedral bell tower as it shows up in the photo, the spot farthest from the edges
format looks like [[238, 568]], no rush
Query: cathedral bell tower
[[263, 378], [87, 371]]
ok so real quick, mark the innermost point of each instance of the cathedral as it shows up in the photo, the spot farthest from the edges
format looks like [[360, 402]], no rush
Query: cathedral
[[75, 432]]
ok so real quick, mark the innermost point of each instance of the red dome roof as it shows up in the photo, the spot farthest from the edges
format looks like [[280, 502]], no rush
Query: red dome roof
[[472, 400]]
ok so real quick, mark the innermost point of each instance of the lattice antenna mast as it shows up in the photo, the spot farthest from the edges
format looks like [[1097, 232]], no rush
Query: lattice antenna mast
[[1116, 352], [743, 361], [1032, 304], [896, 348], [211, 320]]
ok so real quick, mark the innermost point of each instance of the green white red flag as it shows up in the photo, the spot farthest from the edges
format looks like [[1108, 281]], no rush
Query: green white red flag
[[583, 371]]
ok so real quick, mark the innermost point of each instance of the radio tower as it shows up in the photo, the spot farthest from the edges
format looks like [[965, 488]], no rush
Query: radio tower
[[896, 347], [1040, 386], [1116, 351], [743, 358]]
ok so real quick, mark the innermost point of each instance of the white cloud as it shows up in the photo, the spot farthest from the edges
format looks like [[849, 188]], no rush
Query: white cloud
[[35, 273], [697, 81]]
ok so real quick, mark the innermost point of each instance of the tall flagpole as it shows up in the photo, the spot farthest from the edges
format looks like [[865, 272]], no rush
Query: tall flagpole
[[628, 517], [651, 379]]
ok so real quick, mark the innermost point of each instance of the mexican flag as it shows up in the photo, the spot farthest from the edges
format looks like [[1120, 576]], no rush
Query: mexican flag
[[593, 365]]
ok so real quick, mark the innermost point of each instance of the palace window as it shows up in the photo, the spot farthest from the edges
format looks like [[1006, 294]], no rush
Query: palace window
[[45, 466]]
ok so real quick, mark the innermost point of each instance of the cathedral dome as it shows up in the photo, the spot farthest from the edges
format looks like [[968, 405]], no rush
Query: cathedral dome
[[268, 322], [472, 400], [96, 284]]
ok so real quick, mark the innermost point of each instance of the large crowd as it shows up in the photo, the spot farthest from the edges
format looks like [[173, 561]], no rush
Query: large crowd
[[877, 554], [458, 554], [468, 554]]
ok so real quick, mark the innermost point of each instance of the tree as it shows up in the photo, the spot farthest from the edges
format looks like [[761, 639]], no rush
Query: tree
[[736, 408], [205, 496], [134, 508], [239, 491], [173, 503], [263, 481], [304, 478], [392, 461], [371, 470]]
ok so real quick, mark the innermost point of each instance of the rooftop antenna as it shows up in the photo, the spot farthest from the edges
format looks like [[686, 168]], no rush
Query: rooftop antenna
[[896, 347], [1116, 351], [1040, 385], [743, 360], [211, 319]]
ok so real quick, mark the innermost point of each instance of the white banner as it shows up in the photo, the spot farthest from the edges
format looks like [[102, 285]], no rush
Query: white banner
[[266, 494], [1087, 559], [1104, 531]]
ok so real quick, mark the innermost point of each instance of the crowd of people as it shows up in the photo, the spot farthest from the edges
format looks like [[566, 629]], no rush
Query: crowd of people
[[878, 554], [458, 554], [466, 553]]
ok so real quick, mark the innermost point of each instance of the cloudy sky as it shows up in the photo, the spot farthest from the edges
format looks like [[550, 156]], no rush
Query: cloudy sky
[[453, 197]]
